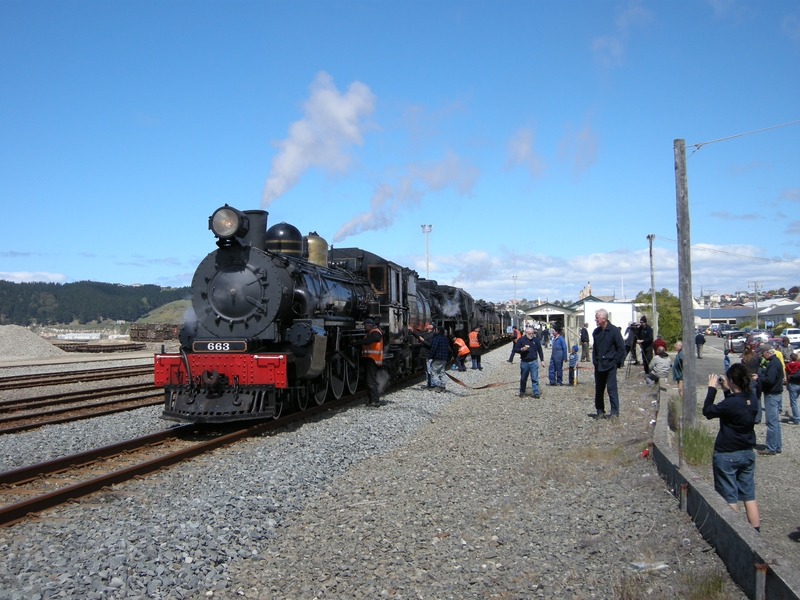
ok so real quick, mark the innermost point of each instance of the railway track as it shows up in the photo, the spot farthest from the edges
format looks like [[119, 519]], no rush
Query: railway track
[[29, 490], [76, 412], [62, 377]]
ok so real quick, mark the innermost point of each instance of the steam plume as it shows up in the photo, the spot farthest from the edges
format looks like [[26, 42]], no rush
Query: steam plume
[[331, 124], [390, 198]]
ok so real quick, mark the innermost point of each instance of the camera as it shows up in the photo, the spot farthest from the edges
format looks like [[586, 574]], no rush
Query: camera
[[720, 380]]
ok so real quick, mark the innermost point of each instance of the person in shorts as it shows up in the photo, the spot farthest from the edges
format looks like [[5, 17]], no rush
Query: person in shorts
[[734, 462]]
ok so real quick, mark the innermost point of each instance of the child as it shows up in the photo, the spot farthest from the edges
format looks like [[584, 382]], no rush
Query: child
[[726, 361], [573, 366]]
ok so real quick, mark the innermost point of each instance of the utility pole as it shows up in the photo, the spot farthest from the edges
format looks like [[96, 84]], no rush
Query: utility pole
[[426, 229], [514, 320], [755, 298], [689, 404], [650, 238]]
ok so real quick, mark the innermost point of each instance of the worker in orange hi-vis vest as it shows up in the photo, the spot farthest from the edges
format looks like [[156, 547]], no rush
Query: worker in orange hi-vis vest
[[461, 351], [372, 358], [476, 347]]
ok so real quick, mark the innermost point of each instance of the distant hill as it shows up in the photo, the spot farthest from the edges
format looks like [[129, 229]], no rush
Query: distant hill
[[81, 302], [169, 313]]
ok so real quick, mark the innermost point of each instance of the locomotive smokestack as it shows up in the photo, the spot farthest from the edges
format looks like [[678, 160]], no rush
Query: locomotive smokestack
[[257, 235]]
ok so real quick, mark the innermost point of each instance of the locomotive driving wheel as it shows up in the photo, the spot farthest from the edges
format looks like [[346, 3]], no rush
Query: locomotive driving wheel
[[337, 375], [352, 373], [301, 398], [318, 389]]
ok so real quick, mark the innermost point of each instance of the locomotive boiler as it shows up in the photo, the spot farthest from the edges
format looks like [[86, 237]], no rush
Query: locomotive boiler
[[273, 312]]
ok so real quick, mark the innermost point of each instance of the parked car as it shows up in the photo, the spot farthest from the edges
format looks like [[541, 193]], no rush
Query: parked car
[[724, 329], [735, 341], [759, 336], [793, 334]]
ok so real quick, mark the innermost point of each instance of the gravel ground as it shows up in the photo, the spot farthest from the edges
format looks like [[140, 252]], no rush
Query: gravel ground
[[472, 493]]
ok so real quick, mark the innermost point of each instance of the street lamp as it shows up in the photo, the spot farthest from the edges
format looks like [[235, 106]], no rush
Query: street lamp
[[426, 229]]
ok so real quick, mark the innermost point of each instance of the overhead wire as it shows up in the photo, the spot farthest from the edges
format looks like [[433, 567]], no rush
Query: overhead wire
[[717, 251], [730, 137]]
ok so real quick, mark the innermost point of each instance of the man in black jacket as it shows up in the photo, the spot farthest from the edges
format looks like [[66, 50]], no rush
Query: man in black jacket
[[646, 343], [699, 341], [770, 376], [585, 343], [608, 355], [425, 339]]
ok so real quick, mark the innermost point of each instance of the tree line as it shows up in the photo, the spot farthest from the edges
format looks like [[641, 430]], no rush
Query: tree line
[[82, 301]]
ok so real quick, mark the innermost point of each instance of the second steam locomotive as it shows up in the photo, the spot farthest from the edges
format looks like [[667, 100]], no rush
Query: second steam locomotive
[[273, 313]]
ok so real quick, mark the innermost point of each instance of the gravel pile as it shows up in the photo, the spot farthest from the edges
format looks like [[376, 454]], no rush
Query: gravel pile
[[472, 493], [20, 342]]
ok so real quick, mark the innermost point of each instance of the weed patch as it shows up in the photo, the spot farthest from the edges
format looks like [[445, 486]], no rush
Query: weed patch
[[698, 446], [706, 586]]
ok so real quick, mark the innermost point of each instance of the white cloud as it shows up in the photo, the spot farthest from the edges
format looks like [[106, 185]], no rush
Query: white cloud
[[609, 50], [790, 25], [520, 152], [616, 273], [28, 277], [332, 123], [579, 147], [731, 217]]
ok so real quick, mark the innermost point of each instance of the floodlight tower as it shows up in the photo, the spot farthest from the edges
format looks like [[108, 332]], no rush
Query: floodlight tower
[[514, 320], [426, 229]]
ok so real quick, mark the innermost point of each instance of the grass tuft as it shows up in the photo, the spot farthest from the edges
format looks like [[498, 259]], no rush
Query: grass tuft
[[706, 586], [698, 445]]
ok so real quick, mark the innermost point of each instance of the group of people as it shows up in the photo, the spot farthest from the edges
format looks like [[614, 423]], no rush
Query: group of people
[[762, 371], [529, 347], [435, 350], [640, 337], [773, 368]]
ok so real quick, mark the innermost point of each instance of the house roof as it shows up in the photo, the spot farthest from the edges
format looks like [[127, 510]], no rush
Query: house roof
[[726, 313], [781, 309], [549, 309], [582, 301]]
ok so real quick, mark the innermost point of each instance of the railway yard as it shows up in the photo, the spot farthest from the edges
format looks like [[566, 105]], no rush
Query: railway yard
[[472, 493]]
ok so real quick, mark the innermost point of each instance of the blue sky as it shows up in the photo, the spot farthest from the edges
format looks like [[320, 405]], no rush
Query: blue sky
[[535, 137]]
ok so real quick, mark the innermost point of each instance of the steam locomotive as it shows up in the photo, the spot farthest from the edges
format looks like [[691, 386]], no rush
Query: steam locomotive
[[273, 313]]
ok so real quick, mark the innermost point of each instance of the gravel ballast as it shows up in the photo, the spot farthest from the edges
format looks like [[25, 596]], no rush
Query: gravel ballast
[[471, 493]]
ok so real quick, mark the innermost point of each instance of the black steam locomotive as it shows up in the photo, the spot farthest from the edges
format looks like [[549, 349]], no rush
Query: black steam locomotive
[[273, 314]]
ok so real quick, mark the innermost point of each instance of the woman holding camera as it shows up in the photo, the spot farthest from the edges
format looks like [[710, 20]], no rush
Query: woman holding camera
[[734, 461]]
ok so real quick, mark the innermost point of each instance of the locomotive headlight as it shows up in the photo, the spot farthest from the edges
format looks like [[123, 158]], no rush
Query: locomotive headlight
[[227, 223]]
